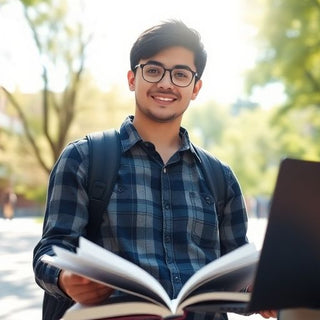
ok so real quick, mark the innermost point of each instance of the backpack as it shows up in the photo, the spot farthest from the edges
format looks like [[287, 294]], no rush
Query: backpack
[[104, 162]]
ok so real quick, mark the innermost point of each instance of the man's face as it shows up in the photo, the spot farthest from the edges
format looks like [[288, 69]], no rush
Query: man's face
[[164, 101]]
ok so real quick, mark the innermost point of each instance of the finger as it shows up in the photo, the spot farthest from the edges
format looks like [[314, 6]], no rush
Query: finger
[[93, 296], [83, 290], [79, 291], [70, 281], [264, 314], [268, 314]]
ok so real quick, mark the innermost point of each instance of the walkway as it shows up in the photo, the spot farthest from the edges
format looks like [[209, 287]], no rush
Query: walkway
[[20, 297]]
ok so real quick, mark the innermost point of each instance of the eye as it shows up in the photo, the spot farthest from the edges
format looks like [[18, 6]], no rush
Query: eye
[[181, 74], [153, 70]]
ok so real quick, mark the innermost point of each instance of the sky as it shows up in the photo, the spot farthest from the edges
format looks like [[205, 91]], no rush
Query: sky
[[227, 39]]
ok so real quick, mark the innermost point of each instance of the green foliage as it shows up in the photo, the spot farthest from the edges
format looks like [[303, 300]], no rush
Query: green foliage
[[36, 194], [249, 147], [298, 133], [208, 122], [289, 38], [254, 141], [29, 3]]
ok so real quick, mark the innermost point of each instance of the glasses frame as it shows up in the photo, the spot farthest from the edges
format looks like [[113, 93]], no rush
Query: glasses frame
[[142, 65]]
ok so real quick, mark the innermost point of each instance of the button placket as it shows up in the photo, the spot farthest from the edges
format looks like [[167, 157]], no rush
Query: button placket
[[168, 229]]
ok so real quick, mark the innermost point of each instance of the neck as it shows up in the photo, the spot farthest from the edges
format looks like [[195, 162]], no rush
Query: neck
[[164, 136]]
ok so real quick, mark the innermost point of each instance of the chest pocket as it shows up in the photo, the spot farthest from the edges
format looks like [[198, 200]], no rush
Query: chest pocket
[[204, 230]]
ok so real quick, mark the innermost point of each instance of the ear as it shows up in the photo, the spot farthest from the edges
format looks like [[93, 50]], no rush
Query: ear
[[196, 89], [131, 80]]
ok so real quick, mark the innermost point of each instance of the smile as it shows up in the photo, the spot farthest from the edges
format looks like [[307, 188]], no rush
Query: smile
[[164, 99]]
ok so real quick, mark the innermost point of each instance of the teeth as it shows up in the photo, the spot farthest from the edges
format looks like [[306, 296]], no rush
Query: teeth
[[164, 99]]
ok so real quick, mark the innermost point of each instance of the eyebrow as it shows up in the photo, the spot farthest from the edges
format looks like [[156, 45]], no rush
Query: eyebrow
[[178, 66]]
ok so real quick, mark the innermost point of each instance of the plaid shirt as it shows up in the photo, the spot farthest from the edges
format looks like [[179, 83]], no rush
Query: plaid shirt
[[161, 217]]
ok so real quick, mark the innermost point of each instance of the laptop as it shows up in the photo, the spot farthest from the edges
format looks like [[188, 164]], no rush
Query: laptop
[[288, 272]]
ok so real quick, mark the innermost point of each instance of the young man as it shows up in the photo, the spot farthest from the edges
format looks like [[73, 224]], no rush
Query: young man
[[161, 214]]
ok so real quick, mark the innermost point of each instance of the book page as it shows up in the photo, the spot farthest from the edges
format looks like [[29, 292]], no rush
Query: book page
[[114, 263], [67, 260], [244, 256]]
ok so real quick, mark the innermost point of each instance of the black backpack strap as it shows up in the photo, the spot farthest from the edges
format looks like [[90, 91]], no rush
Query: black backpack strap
[[215, 178], [54, 308], [104, 162]]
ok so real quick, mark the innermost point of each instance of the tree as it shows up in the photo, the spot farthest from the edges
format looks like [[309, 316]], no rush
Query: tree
[[207, 123], [289, 42], [251, 153], [237, 135], [61, 43]]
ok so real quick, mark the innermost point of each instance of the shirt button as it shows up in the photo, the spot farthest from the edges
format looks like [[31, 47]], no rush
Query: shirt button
[[176, 279], [208, 200], [167, 206]]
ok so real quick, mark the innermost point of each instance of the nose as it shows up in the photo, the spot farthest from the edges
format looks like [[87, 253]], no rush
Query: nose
[[165, 82]]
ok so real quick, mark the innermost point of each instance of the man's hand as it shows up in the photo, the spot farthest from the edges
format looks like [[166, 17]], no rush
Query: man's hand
[[266, 313], [269, 314], [83, 290]]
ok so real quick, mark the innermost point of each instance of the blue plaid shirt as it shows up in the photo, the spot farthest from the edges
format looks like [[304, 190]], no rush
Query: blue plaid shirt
[[161, 217]]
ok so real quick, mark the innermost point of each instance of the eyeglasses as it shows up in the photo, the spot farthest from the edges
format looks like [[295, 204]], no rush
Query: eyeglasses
[[154, 73]]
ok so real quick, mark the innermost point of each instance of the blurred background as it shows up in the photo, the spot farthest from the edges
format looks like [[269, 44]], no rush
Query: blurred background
[[63, 66]]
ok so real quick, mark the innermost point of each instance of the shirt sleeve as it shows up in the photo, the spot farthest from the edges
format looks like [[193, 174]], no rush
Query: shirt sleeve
[[234, 223], [66, 212]]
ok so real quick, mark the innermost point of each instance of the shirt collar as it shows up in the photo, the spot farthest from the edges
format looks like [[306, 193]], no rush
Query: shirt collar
[[130, 136], [186, 143]]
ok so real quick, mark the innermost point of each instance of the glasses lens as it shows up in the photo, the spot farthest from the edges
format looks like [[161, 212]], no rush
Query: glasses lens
[[181, 77], [152, 73]]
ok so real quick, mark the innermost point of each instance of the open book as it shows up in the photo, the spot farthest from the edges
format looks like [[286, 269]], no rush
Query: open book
[[218, 282]]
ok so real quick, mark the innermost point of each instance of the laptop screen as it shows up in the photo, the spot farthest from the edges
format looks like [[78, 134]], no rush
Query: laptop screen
[[288, 273]]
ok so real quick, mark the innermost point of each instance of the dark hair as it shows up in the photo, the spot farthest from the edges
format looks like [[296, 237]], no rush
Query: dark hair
[[168, 34]]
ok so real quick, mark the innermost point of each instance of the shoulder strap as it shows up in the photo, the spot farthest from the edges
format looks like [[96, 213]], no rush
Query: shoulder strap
[[215, 178], [104, 161]]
